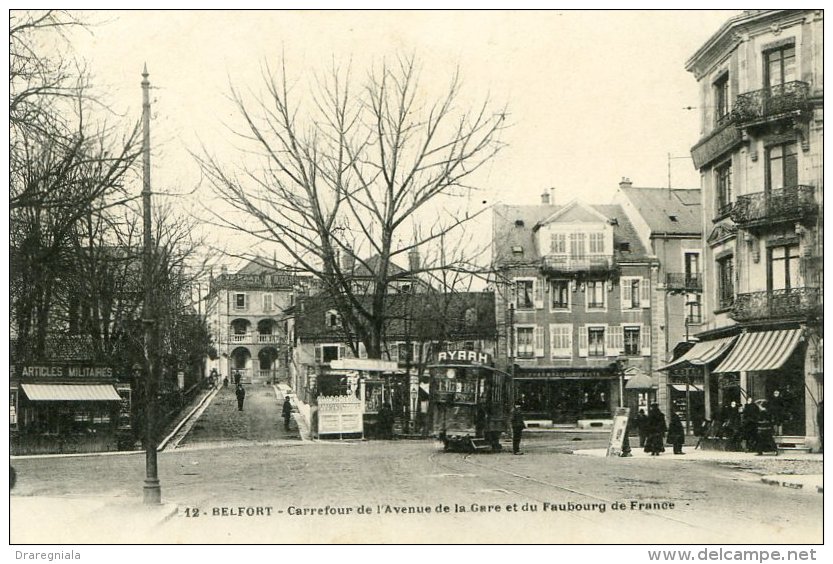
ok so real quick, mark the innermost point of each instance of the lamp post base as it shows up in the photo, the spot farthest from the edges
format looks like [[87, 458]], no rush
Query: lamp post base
[[152, 492]]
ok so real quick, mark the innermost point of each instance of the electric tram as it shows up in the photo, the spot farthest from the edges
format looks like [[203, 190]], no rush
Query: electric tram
[[470, 402]]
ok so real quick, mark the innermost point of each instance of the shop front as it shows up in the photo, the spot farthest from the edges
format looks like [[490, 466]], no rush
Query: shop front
[[566, 395], [52, 412]]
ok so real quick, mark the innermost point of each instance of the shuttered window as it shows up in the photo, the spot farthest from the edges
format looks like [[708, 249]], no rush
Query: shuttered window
[[561, 340]]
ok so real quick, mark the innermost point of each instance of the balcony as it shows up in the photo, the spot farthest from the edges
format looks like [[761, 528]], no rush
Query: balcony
[[566, 263], [791, 204], [717, 143], [770, 104], [264, 339], [788, 303], [239, 337], [684, 281]]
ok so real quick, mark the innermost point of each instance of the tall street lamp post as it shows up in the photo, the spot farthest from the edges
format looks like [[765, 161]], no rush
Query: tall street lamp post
[[152, 490]]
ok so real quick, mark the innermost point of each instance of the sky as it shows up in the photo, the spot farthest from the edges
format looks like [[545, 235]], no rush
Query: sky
[[592, 96]]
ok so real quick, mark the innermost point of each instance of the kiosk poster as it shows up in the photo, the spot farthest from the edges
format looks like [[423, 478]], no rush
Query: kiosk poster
[[617, 432]]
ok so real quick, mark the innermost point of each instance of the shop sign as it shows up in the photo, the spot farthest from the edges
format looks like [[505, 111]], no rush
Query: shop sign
[[61, 371], [617, 433], [339, 415], [472, 357]]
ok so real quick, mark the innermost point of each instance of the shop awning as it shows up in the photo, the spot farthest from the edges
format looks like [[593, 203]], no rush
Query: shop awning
[[703, 353], [71, 392], [762, 350], [691, 387]]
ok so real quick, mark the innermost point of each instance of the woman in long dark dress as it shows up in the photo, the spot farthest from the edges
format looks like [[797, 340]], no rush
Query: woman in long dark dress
[[765, 440], [655, 431], [676, 434]]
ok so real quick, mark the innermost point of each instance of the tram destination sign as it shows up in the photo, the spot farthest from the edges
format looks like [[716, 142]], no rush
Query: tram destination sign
[[472, 357]]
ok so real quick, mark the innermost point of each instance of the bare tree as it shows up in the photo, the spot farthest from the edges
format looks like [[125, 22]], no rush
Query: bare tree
[[373, 172]]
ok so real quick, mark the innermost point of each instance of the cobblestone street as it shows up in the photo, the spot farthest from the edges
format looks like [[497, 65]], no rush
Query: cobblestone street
[[260, 420]]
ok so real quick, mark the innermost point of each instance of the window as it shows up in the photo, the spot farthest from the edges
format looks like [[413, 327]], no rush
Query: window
[[525, 293], [779, 67], [526, 342], [595, 292], [632, 341], [405, 289], [239, 301], [783, 267], [558, 243], [723, 188], [561, 340], [691, 264], [693, 309], [577, 244], [725, 281], [596, 341], [721, 99], [781, 167], [267, 302], [329, 353], [597, 243], [406, 352], [631, 288], [559, 294], [332, 319]]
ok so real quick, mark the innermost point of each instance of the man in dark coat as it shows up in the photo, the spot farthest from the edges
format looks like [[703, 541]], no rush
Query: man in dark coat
[[641, 421], [749, 424], [655, 431], [518, 426], [240, 392], [286, 411], [676, 433], [236, 377]]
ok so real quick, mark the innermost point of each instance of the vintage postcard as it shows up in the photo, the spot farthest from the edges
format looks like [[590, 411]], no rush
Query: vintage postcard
[[416, 277]]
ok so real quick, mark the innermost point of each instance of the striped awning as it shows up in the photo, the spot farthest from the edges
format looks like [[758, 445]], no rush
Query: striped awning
[[703, 352], [762, 350], [71, 392]]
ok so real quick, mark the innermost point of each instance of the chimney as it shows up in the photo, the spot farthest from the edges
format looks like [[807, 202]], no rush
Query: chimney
[[625, 182], [413, 260], [545, 198]]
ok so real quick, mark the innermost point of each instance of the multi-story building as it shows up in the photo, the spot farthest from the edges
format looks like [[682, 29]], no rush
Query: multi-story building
[[244, 313], [575, 307], [669, 224], [760, 156]]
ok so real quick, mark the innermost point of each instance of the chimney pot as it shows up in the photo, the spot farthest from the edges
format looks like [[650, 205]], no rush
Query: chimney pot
[[545, 198], [625, 182]]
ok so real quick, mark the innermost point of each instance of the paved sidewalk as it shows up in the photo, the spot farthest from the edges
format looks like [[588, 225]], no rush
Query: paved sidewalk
[[805, 482], [260, 420]]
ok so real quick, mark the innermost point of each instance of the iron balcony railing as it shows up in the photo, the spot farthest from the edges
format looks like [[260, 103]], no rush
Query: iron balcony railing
[[771, 102], [577, 263], [778, 304], [689, 281], [792, 203]]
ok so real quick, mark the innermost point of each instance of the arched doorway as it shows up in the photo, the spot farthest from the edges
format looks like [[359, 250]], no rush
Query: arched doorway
[[268, 364], [241, 361]]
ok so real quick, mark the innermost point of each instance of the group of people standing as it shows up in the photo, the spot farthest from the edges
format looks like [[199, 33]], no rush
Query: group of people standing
[[654, 432], [753, 426]]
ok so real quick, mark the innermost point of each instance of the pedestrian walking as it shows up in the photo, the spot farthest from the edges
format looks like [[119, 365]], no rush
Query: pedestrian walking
[[240, 392], [765, 441], [641, 420], [287, 412], [236, 377], [225, 381], [676, 433], [655, 431], [518, 426]]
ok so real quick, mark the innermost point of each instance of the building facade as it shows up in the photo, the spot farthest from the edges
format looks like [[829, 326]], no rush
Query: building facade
[[760, 157], [244, 312], [575, 307], [669, 224]]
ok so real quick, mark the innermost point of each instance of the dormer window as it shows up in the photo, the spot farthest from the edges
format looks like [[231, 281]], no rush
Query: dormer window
[[332, 319]]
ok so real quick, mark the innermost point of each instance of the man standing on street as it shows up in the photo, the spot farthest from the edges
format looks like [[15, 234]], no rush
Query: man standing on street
[[287, 412], [241, 395], [518, 426]]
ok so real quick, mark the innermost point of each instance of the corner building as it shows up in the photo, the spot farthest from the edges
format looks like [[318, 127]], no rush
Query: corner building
[[760, 81], [574, 307]]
